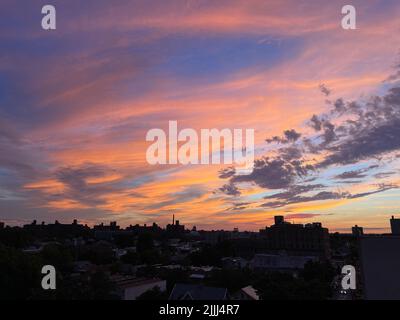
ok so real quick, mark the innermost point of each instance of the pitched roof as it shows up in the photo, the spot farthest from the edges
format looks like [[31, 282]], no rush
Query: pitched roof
[[251, 292]]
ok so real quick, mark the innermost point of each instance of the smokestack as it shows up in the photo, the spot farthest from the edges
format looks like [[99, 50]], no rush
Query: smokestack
[[173, 219]]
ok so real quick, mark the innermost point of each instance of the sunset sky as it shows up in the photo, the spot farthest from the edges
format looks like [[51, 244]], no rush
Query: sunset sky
[[76, 104]]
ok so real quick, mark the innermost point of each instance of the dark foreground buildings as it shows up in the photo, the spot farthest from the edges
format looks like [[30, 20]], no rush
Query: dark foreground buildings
[[357, 231], [188, 264]]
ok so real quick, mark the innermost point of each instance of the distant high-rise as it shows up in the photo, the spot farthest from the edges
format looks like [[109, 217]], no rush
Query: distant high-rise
[[175, 227], [395, 225], [311, 238], [112, 227], [279, 220], [357, 231], [71, 230], [137, 229]]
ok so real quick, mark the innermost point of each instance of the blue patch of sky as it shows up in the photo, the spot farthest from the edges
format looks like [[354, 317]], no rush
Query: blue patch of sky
[[260, 196], [213, 58]]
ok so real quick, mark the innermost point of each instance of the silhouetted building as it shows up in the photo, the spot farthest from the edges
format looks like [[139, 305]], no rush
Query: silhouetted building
[[175, 227], [279, 220], [137, 229], [1, 225], [246, 293], [111, 227], [309, 239], [395, 225], [357, 231], [57, 229], [380, 265], [106, 232]]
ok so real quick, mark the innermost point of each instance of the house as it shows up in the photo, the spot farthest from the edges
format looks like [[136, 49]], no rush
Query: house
[[197, 292], [129, 288], [246, 293]]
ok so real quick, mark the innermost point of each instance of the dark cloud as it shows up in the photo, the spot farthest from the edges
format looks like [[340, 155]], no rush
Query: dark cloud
[[368, 143], [329, 134], [189, 193], [294, 191], [339, 106], [349, 132], [77, 188], [382, 175], [302, 215], [355, 174], [227, 173], [316, 123], [17, 154], [288, 136], [230, 189], [374, 132], [351, 181], [324, 90], [21, 161], [239, 206], [382, 188], [395, 76], [274, 173], [292, 135], [290, 153], [370, 129], [75, 177], [323, 195], [274, 139]]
